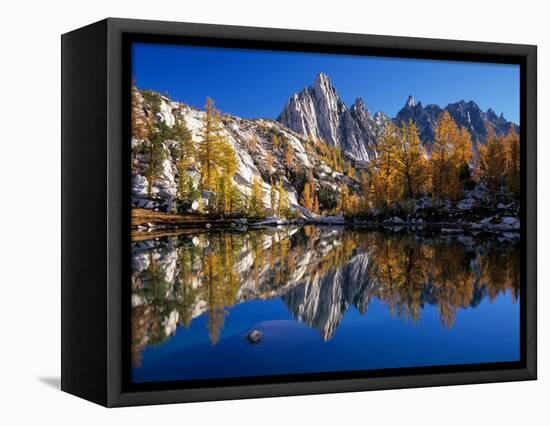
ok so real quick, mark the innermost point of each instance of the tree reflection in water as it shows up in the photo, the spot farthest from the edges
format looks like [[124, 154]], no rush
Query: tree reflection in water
[[318, 273]]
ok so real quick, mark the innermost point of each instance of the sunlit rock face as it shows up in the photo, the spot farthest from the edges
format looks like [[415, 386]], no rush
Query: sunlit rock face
[[319, 112], [252, 140]]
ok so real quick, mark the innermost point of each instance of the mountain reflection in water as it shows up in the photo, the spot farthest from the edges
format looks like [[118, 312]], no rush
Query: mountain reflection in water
[[318, 273]]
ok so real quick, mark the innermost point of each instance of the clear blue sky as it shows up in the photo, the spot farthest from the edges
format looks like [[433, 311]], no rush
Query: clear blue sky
[[256, 83]]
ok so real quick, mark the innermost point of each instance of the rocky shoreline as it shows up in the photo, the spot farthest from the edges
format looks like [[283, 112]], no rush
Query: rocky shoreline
[[502, 226], [474, 214]]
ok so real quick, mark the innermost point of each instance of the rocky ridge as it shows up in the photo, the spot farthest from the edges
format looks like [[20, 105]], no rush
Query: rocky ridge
[[319, 112], [465, 114], [243, 134]]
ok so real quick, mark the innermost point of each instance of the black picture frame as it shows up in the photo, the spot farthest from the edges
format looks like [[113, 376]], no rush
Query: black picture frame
[[95, 210]]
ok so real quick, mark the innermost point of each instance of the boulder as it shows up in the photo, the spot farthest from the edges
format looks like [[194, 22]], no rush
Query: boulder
[[207, 198], [509, 220], [254, 337], [144, 204], [486, 221], [326, 169], [139, 185], [466, 204]]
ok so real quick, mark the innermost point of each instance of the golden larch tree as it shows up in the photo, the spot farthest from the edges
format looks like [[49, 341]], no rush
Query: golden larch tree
[[385, 176], [210, 150], [289, 157], [492, 162], [512, 158], [410, 161], [443, 171], [307, 197]]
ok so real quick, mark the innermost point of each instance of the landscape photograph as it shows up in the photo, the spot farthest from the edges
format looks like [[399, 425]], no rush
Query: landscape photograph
[[296, 213]]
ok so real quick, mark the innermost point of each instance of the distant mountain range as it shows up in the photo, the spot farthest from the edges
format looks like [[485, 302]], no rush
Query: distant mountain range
[[319, 112]]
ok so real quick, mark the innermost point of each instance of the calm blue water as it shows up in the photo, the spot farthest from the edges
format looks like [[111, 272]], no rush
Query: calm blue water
[[324, 300]]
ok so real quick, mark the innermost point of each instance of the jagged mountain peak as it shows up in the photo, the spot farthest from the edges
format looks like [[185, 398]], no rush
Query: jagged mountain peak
[[359, 103], [467, 114], [323, 79], [411, 103], [323, 86], [320, 112]]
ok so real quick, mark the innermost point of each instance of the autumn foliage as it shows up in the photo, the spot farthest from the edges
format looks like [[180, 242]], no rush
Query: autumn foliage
[[404, 169]]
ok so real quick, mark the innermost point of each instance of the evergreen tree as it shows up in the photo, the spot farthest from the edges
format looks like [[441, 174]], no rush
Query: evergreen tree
[[185, 154], [155, 155]]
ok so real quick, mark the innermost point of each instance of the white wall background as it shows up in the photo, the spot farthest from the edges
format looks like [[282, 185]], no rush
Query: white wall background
[[30, 211]]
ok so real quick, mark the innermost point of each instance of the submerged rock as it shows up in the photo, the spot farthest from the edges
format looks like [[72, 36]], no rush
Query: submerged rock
[[255, 336]]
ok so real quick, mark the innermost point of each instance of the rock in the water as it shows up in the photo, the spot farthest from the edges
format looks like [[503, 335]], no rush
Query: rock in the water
[[395, 219], [255, 336]]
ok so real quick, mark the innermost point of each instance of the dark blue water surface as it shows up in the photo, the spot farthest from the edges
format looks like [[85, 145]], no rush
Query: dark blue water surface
[[323, 299]]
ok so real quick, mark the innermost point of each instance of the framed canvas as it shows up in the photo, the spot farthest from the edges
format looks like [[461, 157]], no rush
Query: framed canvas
[[254, 212]]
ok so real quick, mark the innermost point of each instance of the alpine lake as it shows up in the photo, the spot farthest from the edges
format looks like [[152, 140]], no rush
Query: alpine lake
[[310, 299]]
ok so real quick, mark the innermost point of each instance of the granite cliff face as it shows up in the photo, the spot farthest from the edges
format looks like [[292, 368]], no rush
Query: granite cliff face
[[252, 141], [318, 112]]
